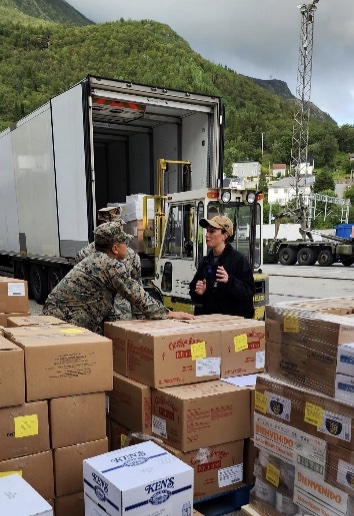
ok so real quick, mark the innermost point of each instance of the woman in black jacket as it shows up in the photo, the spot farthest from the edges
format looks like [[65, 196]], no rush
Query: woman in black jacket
[[223, 283]]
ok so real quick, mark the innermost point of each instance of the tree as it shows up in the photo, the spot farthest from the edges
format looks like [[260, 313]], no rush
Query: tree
[[324, 181], [349, 194]]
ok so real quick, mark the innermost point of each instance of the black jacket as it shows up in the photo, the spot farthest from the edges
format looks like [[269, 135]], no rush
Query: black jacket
[[234, 297]]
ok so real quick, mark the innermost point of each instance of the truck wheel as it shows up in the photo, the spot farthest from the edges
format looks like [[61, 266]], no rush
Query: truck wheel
[[306, 256], [287, 256], [39, 283], [347, 261], [54, 276], [21, 272], [325, 258]]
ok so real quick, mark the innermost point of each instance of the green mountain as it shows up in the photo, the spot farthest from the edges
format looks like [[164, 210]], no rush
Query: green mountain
[[46, 46]]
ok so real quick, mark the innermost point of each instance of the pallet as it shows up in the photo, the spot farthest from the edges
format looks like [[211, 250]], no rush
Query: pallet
[[224, 503]]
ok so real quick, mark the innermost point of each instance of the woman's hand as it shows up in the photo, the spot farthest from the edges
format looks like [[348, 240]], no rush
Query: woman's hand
[[200, 287], [221, 275], [181, 316]]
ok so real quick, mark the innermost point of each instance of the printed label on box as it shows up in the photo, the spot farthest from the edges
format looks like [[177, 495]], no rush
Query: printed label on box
[[278, 406], [336, 426], [290, 444], [16, 289], [159, 426], [208, 366], [345, 474], [230, 475], [260, 359]]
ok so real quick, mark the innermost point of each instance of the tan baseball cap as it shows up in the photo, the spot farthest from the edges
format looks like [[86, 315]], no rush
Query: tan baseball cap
[[219, 222]]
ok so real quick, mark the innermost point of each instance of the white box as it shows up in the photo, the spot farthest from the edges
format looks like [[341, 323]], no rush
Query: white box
[[344, 389], [18, 498], [345, 359], [92, 509], [140, 480]]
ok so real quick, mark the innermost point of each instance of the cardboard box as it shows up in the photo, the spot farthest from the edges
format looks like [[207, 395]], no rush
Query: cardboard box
[[63, 360], [345, 359], [12, 374], [5, 317], [24, 430], [17, 497], [70, 505], [137, 478], [117, 332], [217, 469], [68, 477], [130, 404], [248, 380], [77, 419], [199, 415], [119, 436], [13, 295], [174, 356], [319, 497], [250, 454], [36, 469], [340, 469], [242, 348], [32, 320], [92, 508], [344, 388]]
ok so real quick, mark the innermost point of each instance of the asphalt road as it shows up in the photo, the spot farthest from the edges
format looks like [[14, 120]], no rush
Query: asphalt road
[[294, 282]]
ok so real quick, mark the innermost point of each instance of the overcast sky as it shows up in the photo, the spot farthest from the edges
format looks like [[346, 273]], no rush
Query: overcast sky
[[258, 38]]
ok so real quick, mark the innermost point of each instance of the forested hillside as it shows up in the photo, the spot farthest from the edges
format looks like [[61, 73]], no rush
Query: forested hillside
[[40, 58]]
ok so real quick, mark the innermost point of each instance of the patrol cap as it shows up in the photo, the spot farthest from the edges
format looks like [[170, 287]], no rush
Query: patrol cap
[[109, 214], [111, 233], [219, 222]]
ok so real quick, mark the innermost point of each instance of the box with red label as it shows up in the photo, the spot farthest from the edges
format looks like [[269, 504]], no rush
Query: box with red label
[[242, 347], [178, 355], [193, 416]]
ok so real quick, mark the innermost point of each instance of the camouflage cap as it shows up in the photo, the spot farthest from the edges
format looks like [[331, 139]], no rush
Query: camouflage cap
[[109, 214], [111, 233]]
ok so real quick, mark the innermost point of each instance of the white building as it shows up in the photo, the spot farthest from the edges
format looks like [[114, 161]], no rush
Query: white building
[[284, 190], [246, 169], [279, 169]]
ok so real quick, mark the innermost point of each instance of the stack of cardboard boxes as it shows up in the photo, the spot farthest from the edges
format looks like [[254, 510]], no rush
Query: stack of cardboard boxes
[[304, 410], [53, 380], [168, 385]]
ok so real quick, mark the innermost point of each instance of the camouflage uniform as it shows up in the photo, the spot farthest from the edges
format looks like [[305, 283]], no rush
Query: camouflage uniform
[[122, 307], [85, 296]]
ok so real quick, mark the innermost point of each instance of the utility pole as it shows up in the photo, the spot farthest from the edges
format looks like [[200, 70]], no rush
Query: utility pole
[[300, 137]]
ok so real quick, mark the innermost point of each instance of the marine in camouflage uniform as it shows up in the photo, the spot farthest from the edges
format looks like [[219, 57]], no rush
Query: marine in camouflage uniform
[[85, 296], [123, 309]]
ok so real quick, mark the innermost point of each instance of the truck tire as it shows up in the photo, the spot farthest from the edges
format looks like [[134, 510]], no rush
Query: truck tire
[[325, 258], [21, 272], [54, 276], [347, 261], [306, 256], [39, 283], [287, 256]]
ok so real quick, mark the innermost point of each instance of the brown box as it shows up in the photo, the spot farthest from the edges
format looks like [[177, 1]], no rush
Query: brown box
[[198, 415], [117, 332], [217, 469], [12, 374], [130, 404], [32, 320], [174, 356], [70, 505], [250, 454], [77, 419], [4, 318], [24, 430], [340, 468], [63, 360], [119, 436], [68, 469], [13, 295], [36, 469], [242, 347]]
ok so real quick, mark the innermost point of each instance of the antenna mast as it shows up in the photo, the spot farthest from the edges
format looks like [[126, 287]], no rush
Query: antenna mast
[[300, 137]]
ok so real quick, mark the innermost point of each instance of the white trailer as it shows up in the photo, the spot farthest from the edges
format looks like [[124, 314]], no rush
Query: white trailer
[[92, 145]]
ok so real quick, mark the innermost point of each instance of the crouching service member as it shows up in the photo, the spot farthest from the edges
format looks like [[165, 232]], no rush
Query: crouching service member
[[85, 296]]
